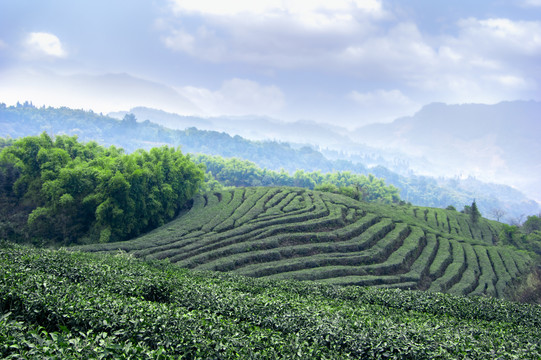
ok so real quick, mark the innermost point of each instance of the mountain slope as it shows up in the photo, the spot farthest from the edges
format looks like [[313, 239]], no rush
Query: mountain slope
[[250, 127], [292, 233], [27, 120], [492, 142]]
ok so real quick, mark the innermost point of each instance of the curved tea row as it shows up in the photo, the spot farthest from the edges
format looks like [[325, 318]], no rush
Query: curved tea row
[[308, 235]]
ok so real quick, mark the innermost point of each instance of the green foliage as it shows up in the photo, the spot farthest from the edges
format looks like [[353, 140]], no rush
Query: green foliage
[[532, 224], [294, 233], [55, 304], [84, 192], [236, 172], [474, 213], [526, 237], [511, 235]]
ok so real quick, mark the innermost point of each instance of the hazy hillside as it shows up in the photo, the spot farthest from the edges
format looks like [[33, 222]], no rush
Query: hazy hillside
[[292, 233], [250, 127], [497, 143], [129, 134]]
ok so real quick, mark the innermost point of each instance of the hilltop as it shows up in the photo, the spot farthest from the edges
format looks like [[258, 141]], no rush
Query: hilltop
[[294, 233]]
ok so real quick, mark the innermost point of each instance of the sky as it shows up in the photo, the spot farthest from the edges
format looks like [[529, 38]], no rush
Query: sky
[[343, 62]]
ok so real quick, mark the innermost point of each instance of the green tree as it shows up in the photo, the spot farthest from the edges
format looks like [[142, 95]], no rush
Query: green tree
[[533, 223], [474, 213], [75, 192], [510, 235]]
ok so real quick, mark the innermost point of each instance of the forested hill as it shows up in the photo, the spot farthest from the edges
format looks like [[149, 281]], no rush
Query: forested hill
[[130, 134]]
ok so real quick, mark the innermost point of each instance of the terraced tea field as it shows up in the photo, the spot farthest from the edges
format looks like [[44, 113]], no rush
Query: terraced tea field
[[292, 233]]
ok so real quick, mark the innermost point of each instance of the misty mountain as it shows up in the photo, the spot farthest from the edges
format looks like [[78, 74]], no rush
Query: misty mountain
[[97, 91], [499, 143], [332, 141], [25, 119], [250, 127]]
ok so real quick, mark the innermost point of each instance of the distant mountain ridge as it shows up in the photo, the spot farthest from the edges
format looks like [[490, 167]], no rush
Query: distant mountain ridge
[[25, 119], [492, 142], [495, 143], [251, 127]]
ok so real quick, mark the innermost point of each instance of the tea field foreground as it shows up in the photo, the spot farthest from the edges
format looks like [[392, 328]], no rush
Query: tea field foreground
[[74, 305], [293, 233]]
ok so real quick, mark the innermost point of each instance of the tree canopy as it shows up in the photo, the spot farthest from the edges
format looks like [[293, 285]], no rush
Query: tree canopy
[[236, 172], [73, 192]]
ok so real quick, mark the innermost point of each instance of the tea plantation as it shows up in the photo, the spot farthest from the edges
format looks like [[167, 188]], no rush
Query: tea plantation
[[73, 305], [293, 233]]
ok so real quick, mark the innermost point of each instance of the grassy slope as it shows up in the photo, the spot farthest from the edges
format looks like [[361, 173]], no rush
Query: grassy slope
[[292, 233], [57, 304]]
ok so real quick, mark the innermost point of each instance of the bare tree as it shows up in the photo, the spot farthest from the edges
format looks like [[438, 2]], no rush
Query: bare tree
[[517, 221], [497, 213]]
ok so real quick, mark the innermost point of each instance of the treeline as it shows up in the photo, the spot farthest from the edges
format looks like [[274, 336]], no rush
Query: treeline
[[26, 119], [524, 236], [62, 191], [235, 172]]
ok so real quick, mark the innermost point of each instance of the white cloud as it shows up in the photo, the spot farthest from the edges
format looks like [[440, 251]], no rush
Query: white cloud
[[531, 3], [203, 44], [383, 105], [264, 7], [45, 44], [236, 97], [101, 93], [511, 81], [381, 98], [486, 60], [500, 37], [401, 52], [181, 41], [280, 34]]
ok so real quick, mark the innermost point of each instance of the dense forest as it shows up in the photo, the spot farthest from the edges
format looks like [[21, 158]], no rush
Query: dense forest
[[62, 191], [131, 134]]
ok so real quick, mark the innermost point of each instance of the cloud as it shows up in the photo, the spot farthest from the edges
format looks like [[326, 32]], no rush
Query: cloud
[[282, 34], [237, 97], [381, 97], [531, 3], [401, 52], [101, 93], [203, 44], [473, 60], [264, 7], [487, 61], [383, 104], [500, 37], [45, 44]]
